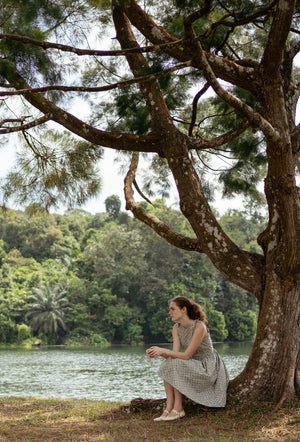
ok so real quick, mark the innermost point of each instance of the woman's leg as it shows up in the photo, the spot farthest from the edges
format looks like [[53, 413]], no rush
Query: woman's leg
[[177, 400], [170, 401], [170, 396]]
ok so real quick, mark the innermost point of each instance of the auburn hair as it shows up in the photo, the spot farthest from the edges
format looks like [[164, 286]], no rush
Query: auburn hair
[[194, 310]]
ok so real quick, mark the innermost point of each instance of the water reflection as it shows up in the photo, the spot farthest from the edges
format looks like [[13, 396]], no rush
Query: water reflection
[[116, 373]]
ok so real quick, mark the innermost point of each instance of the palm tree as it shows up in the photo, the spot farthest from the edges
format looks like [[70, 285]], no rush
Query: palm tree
[[46, 309]]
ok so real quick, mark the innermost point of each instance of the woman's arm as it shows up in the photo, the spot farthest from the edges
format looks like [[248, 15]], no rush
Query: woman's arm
[[176, 339], [199, 333], [176, 345]]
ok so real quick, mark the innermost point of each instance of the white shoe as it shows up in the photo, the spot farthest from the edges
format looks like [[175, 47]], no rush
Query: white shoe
[[162, 417], [173, 415]]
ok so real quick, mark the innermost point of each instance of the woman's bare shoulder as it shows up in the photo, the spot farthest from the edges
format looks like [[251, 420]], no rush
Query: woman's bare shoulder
[[201, 327]]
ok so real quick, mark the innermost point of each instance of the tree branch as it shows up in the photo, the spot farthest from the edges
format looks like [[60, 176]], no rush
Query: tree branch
[[13, 120], [255, 119], [200, 12], [119, 84], [215, 142], [195, 104], [244, 21], [23, 127], [81, 52], [222, 67], [156, 104], [277, 38], [140, 192], [118, 141], [162, 229]]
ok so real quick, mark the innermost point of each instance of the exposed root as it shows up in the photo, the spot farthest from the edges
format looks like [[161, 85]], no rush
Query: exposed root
[[157, 405]]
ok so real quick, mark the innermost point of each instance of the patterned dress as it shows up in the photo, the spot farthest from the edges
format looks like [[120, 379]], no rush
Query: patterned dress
[[203, 378]]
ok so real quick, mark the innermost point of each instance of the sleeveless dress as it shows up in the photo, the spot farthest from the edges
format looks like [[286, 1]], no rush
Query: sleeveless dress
[[203, 378]]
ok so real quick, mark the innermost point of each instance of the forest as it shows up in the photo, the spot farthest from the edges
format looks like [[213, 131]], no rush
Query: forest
[[83, 279]]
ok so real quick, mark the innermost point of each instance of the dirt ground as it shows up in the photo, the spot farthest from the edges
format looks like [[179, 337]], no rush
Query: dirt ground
[[33, 419]]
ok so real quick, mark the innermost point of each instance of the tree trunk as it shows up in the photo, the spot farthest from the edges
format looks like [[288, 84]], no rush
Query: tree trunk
[[272, 371]]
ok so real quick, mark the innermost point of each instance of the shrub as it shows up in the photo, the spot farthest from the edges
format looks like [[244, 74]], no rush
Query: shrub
[[24, 333]]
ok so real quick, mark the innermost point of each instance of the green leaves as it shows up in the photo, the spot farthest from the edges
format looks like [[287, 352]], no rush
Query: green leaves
[[32, 19], [61, 170], [116, 278], [46, 309]]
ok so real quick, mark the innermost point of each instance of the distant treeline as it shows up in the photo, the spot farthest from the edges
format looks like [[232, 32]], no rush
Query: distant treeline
[[97, 279]]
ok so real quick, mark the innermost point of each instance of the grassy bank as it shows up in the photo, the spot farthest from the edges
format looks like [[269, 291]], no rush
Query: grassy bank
[[32, 419]]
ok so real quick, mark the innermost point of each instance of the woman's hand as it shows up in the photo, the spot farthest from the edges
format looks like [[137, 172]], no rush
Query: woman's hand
[[152, 352]]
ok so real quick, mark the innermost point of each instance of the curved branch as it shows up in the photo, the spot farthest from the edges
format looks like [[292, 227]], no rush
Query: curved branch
[[118, 141], [255, 119], [140, 192], [222, 67], [277, 38], [81, 52], [156, 104], [215, 142], [195, 103], [162, 229], [26, 126], [119, 84], [200, 12], [244, 21]]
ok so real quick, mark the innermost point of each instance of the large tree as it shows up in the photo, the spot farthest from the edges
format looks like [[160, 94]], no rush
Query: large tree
[[244, 51]]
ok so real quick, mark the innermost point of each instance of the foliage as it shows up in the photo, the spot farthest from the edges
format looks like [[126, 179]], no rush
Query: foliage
[[241, 325], [24, 334], [113, 206], [117, 279], [46, 309], [217, 325]]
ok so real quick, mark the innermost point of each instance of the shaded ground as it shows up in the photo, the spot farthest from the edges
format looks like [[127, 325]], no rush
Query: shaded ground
[[32, 419]]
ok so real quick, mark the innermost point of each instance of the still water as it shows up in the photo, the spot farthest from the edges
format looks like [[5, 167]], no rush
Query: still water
[[117, 373]]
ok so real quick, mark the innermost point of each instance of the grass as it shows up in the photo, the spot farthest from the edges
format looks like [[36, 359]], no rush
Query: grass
[[33, 419]]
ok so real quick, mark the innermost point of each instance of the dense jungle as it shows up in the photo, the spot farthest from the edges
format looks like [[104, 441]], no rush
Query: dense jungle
[[84, 279]]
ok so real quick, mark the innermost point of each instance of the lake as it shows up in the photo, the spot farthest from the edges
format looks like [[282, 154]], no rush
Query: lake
[[117, 373]]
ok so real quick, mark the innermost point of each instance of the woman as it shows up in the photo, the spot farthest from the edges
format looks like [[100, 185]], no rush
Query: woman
[[198, 372]]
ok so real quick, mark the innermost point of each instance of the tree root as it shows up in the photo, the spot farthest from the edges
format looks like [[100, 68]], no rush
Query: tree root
[[157, 406]]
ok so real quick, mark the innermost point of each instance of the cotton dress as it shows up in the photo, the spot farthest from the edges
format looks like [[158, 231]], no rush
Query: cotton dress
[[203, 378]]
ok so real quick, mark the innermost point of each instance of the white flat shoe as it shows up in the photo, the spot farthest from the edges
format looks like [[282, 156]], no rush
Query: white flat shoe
[[173, 415], [162, 417]]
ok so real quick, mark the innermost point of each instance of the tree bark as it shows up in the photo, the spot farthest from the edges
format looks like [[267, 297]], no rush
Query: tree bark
[[272, 371]]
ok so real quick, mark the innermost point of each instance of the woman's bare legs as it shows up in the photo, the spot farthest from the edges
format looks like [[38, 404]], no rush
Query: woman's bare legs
[[174, 404], [174, 398], [178, 400], [170, 392]]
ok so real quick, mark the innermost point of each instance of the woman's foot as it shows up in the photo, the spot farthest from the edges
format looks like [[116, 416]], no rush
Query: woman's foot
[[162, 417], [173, 415]]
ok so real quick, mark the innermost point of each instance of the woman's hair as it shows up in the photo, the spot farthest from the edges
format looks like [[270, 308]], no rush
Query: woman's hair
[[194, 310]]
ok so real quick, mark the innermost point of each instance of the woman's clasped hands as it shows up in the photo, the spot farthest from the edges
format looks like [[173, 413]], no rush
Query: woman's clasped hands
[[152, 352]]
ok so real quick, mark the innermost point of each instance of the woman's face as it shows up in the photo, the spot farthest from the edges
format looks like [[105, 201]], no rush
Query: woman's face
[[175, 312]]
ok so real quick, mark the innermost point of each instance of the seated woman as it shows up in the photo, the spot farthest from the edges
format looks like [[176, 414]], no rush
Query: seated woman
[[198, 372]]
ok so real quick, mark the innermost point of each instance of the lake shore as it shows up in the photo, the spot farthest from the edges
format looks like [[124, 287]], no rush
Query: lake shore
[[33, 419]]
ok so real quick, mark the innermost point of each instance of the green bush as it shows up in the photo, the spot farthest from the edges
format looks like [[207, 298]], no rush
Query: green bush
[[24, 333], [217, 325], [78, 338], [241, 325], [8, 330]]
